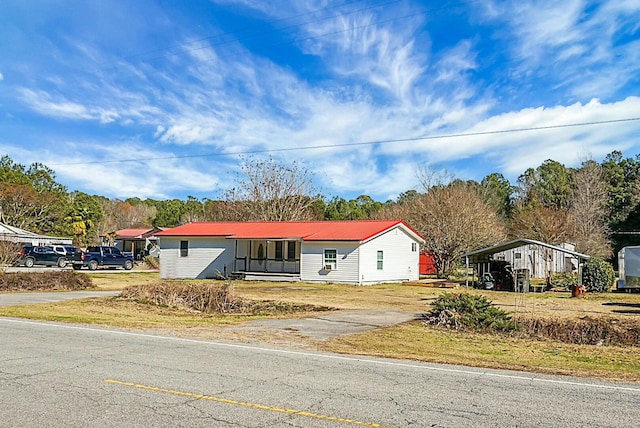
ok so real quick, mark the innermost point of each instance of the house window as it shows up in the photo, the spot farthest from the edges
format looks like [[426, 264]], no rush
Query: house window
[[414, 247], [291, 250], [380, 260], [184, 248], [517, 255], [330, 259], [279, 250]]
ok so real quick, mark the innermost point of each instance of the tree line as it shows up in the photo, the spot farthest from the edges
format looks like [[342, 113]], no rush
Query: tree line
[[586, 206]]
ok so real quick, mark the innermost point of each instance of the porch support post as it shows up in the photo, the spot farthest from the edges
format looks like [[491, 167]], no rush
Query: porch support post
[[466, 262], [580, 264], [235, 257]]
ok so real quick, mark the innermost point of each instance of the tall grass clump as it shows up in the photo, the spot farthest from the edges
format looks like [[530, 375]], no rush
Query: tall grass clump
[[203, 297], [43, 281], [583, 331], [217, 297]]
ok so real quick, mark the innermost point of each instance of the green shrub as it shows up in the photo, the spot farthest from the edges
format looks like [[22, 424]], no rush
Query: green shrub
[[466, 311], [564, 280], [597, 275]]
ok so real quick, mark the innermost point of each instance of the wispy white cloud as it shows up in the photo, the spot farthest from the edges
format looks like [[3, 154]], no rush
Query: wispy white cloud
[[41, 102], [516, 151], [571, 43], [376, 78]]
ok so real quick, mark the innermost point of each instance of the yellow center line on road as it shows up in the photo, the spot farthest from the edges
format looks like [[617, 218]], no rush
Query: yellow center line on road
[[245, 404]]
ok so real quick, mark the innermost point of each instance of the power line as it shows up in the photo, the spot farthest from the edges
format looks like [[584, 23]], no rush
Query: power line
[[362, 143]]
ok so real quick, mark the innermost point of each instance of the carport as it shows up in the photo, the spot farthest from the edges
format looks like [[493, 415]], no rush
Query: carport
[[481, 260], [20, 236]]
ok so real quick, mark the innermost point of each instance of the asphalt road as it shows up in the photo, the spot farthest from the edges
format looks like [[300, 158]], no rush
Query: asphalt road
[[57, 375]]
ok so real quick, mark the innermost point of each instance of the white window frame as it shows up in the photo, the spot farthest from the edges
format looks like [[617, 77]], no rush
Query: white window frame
[[380, 260], [332, 263]]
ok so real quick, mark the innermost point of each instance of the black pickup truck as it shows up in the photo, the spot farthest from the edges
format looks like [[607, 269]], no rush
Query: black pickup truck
[[95, 257]]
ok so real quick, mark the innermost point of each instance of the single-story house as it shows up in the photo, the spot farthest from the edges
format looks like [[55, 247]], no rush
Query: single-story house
[[21, 236], [353, 252], [139, 242]]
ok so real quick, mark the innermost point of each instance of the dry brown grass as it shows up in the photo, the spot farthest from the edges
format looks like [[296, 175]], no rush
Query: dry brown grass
[[416, 342], [116, 312], [44, 281], [209, 298], [119, 280], [601, 330], [200, 296], [418, 299]]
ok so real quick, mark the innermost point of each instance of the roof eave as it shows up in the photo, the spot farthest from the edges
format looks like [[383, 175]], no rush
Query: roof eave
[[515, 243]]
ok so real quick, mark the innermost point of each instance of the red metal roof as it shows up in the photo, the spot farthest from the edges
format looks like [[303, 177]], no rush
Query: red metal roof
[[357, 230], [131, 233], [137, 233]]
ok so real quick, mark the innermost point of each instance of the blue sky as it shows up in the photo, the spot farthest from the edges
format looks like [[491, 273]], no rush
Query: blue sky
[[162, 99]]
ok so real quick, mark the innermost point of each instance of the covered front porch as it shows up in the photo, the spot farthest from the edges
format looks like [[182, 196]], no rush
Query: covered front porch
[[267, 257]]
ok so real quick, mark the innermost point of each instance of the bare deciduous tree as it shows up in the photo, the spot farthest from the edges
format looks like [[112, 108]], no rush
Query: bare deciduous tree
[[8, 254], [23, 207], [453, 219], [122, 215], [546, 224], [588, 206], [216, 210], [430, 178], [269, 190]]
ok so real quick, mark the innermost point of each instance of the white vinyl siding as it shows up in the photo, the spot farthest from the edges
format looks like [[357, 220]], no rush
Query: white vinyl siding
[[400, 262], [207, 257], [312, 267], [538, 260]]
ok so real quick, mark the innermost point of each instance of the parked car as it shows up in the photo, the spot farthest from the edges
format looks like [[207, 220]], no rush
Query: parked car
[[65, 249], [44, 255], [101, 256]]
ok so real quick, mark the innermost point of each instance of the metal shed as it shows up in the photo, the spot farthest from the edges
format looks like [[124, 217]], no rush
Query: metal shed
[[534, 258]]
